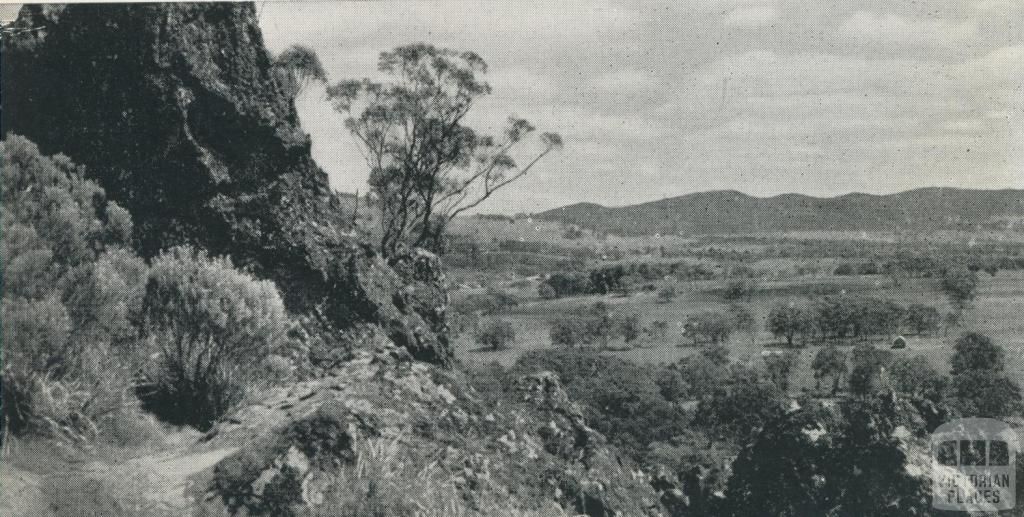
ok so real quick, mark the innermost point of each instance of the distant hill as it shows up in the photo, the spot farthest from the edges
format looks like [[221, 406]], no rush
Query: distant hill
[[729, 211]]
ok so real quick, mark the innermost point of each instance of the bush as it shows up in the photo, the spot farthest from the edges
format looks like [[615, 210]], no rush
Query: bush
[[914, 375], [496, 334], [619, 398], [667, 294], [739, 290], [922, 319], [71, 291], [708, 327], [830, 362], [844, 269], [210, 323], [868, 364], [568, 284]]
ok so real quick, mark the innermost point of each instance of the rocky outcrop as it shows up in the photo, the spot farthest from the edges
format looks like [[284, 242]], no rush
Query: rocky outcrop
[[380, 429], [175, 110]]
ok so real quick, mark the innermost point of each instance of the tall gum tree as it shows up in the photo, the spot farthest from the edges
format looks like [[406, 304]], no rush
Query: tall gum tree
[[426, 166]]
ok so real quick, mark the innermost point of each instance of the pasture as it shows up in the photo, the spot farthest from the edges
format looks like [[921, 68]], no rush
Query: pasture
[[996, 312]]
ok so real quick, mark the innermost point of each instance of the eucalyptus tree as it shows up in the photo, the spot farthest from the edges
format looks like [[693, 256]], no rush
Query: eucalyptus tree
[[426, 165]]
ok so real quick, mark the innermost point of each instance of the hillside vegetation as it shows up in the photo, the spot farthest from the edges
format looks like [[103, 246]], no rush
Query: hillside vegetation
[[724, 212]]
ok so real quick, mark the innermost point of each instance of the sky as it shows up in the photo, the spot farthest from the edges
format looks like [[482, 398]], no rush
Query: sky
[[659, 99]]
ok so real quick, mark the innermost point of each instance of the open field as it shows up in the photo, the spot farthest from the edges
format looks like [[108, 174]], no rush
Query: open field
[[996, 312]]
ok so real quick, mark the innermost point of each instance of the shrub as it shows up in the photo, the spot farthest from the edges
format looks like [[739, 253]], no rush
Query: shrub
[[570, 332], [739, 290], [492, 301], [830, 362], [619, 398], [546, 292], [913, 375], [778, 368], [496, 334], [844, 269], [738, 411], [71, 290], [708, 327], [209, 322], [569, 284], [922, 319], [667, 294], [868, 364]]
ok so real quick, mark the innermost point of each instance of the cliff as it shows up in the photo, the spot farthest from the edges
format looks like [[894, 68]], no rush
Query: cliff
[[175, 110]]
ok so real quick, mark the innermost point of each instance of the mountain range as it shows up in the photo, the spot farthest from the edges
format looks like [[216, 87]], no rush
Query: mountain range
[[727, 211]]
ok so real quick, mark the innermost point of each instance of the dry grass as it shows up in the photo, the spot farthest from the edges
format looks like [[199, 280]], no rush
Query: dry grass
[[386, 481]]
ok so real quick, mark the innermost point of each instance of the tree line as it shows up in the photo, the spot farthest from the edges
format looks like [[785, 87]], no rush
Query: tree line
[[844, 318]]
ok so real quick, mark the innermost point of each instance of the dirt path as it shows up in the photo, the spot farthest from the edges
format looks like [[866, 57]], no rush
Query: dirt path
[[156, 484], [149, 483]]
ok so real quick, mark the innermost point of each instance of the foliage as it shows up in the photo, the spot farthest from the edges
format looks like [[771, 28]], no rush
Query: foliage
[[778, 369], [850, 317], [978, 386], [708, 327], [914, 376], [922, 319], [960, 285], [426, 166], [816, 461], [620, 398], [71, 291], [742, 320], [496, 334], [296, 66], [594, 325], [667, 293], [492, 301], [696, 377], [210, 323], [830, 362], [974, 351], [868, 364], [786, 321], [739, 290], [774, 475], [979, 393], [560, 285], [739, 409]]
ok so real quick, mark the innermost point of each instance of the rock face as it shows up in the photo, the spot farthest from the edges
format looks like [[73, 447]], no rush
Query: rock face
[[175, 110], [399, 435]]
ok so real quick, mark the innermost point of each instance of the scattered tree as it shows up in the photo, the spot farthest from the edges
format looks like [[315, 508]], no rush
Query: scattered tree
[[787, 322], [959, 285], [426, 166], [496, 334], [974, 351]]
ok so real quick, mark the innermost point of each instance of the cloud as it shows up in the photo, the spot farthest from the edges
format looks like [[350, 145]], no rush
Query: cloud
[[751, 15], [662, 97], [892, 29]]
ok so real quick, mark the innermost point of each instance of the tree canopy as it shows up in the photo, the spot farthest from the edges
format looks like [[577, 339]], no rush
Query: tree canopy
[[426, 165]]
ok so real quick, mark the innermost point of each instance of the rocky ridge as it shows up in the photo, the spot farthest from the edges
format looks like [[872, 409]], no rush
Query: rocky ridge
[[175, 110]]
